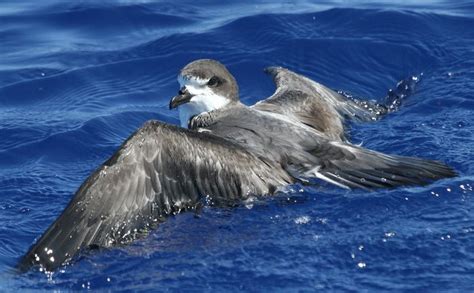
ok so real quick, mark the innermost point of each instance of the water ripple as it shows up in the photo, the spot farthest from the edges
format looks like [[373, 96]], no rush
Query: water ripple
[[76, 79]]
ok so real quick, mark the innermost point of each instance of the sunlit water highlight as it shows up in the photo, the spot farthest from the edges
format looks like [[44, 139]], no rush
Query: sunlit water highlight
[[77, 78]]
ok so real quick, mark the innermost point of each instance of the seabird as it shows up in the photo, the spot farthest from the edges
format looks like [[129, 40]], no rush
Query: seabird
[[226, 152]]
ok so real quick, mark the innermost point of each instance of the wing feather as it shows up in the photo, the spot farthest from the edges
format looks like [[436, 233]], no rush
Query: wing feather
[[160, 170], [352, 166], [313, 104]]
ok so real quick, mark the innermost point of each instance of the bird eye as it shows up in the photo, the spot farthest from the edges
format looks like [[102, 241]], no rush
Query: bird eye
[[214, 81]]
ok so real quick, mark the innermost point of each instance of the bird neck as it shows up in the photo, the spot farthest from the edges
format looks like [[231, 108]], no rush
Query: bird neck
[[206, 119], [201, 104]]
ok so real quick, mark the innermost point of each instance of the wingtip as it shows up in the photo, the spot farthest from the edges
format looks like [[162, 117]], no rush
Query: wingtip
[[22, 266], [447, 171], [272, 70]]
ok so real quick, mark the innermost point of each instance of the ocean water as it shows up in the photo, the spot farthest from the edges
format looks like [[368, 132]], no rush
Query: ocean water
[[78, 77]]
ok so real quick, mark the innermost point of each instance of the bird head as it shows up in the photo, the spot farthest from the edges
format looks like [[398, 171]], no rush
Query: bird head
[[205, 85]]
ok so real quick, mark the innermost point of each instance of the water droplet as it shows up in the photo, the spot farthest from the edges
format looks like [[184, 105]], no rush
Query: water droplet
[[302, 220], [322, 220], [24, 210], [389, 234], [361, 265], [434, 193]]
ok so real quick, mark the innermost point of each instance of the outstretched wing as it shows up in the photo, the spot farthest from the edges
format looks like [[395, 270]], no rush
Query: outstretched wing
[[331, 158], [351, 166], [314, 104], [160, 170]]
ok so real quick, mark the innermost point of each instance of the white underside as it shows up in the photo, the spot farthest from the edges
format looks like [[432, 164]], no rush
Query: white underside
[[203, 100]]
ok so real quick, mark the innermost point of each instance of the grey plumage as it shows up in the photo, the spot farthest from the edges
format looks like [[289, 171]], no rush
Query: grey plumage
[[159, 171], [225, 83], [227, 155]]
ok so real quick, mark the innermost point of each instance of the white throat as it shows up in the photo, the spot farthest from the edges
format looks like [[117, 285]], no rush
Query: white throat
[[203, 100]]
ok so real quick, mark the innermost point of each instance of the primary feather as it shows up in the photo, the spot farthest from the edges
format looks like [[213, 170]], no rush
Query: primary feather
[[230, 152]]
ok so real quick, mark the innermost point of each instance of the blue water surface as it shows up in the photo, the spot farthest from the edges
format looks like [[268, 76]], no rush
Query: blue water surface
[[78, 77]]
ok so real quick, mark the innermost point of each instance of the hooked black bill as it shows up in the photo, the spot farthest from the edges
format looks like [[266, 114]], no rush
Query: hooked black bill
[[183, 97]]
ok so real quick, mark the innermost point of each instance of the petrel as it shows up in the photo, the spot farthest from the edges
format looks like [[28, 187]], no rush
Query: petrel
[[224, 152]]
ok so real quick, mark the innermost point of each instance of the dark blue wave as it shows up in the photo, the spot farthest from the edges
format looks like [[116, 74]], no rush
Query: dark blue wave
[[76, 79]]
